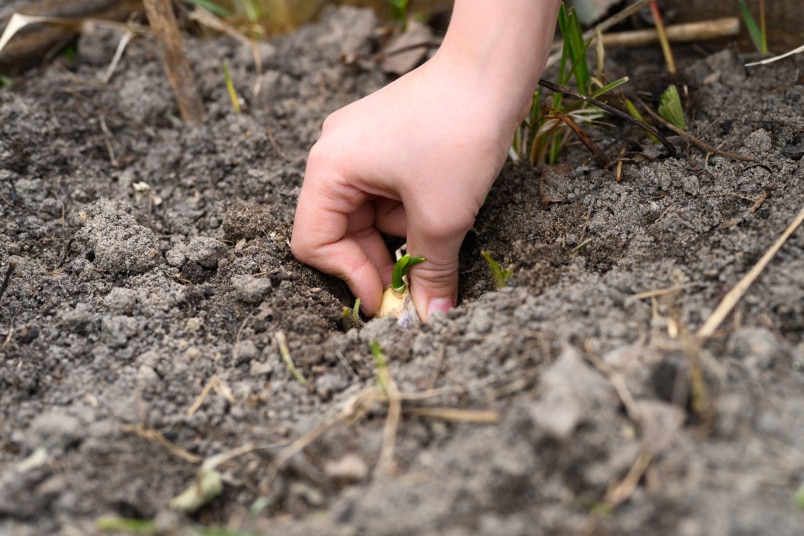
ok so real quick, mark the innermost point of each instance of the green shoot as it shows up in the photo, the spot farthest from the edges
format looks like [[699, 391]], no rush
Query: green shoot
[[670, 107], [399, 11], [756, 31], [212, 7], [575, 48], [378, 355], [230, 87], [351, 316], [401, 269], [5, 81], [501, 276]]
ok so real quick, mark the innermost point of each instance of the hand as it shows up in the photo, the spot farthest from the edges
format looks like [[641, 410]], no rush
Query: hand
[[416, 159]]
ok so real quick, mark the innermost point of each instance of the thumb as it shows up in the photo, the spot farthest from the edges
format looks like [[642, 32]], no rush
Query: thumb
[[434, 282]]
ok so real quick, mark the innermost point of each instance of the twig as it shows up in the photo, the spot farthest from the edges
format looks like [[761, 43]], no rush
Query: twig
[[153, 435], [618, 382], [567, 90], [211, 384], [626, 487], [691, 31], [706, 147], [285, 351], [766, 61], [457, 415], [733, 297], [598, 155], [163, 21]]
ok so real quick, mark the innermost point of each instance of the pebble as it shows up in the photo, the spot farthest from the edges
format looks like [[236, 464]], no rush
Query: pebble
[[250, 289], [758, 142], [206, 251], [245, 351]]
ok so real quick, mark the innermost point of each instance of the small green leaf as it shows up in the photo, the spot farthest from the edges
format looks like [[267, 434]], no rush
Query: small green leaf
[[670, 107]]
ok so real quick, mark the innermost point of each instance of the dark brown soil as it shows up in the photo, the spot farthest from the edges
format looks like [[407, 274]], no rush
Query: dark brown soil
[[152, 259]]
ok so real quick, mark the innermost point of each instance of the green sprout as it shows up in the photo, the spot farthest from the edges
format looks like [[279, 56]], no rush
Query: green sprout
[[501, 276], [399, 11], [670, 107], [757, 32], [551, 122], [401, 268], [230, 87]]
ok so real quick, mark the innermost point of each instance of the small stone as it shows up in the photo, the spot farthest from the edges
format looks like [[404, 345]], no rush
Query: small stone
[[690, 185], [206, 251], [250, 289], [176, 256], [758, 142], [245, 351], [260, 368], [347, 470], [121, 300]]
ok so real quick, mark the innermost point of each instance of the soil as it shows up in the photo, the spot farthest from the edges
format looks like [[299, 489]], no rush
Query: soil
[[152, 261]]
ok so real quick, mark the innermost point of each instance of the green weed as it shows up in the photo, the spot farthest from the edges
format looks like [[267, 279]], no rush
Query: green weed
[[501, 276], [545, 131]]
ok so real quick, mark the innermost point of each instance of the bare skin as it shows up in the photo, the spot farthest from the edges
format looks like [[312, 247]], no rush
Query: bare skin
[[417, 158]]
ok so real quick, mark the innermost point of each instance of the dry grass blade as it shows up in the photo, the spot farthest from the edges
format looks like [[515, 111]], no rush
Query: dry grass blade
[[598, 155], [211, 384], [733, 297], [457, 415], [622, 491], [766, 61], [282, 341], [166, 29], [700, 144], [156, 437], [385, 462]]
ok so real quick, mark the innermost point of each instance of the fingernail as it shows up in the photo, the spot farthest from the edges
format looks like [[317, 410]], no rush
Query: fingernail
[[439, 305]]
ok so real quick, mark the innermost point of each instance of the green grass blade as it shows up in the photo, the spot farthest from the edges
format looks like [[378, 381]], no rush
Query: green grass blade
[[211, 6], [572, 33], [753, 28], [610, 86]]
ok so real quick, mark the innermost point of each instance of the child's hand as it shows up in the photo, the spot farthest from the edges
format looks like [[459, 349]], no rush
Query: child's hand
[[417, 158]]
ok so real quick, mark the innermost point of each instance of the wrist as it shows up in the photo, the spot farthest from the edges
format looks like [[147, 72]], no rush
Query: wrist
[[500, 48]]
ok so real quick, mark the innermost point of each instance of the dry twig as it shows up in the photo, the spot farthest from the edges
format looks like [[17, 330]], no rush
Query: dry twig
[[733, 297]]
